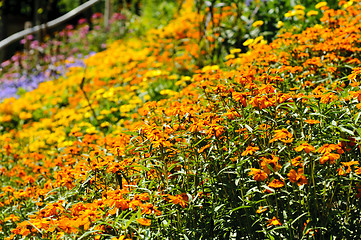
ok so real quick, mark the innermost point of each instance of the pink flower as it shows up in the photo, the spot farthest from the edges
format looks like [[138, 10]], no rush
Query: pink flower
[[82, 21], [97, 15]]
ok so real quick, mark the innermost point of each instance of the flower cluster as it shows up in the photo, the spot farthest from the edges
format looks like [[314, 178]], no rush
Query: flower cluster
[[146, 144]]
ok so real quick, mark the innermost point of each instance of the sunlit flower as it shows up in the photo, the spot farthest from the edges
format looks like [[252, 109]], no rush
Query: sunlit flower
[[305, 146], [178, 199], [274, 222], [312, 121], [329, 157], [297, 177], [327, 148], [258, 174], [275, 183], [249, 150], [261, 209], [282, 135], [144, 222]]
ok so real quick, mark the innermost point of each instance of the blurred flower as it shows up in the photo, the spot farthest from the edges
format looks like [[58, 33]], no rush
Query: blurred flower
[[97, 15], [118, 16], [248, 42], [82, 21], [279, 24], [290, 14], [320, 5], [257, 23], [312, 13], [299, 7], [5, 63]]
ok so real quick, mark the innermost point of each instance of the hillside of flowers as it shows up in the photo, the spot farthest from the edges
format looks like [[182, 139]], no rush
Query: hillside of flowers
[[160, 137]]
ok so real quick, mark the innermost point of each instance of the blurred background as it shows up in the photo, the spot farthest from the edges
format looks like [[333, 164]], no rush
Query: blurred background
[[17, 15]]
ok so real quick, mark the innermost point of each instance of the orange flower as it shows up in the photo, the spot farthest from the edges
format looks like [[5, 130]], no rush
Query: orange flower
[[312, 121], [341, 171], [297, 161], [250, 150], [350, 163], [178, 199], [305, 146], [261, 209], [274, 222], [121, 238], [240, 97], [282, 135], [276, 184], [270, 164], [258, 174], [144, 222], [329, 157], [327, 148], [297, 177]]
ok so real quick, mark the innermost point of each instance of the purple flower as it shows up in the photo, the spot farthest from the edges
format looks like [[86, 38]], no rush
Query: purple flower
[[34, 44], [15, 58], [6, 63]]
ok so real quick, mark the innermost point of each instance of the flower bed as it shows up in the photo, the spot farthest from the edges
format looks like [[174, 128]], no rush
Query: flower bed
[[145, 144]]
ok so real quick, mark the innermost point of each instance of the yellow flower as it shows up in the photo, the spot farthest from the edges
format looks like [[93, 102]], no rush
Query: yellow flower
[[257, 23], [279, 24], [348, 4], [300, 13], [230, 56], [299, 7], [25, 115], [258, 39], [290, 14], [235, 50], [248, 42], [320, 5], [105, 124], [312, 13]]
